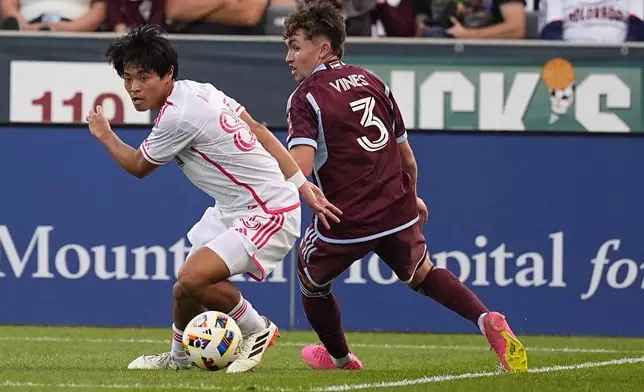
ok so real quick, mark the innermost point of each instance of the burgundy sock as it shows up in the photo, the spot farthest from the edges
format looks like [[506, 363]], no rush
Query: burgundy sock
[[324, 315], [443, 287]]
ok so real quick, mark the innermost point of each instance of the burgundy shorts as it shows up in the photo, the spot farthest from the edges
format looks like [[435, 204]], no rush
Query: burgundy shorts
[[322, 262]]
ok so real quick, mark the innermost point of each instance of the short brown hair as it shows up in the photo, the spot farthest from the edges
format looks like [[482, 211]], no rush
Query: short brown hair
[[318, 18]]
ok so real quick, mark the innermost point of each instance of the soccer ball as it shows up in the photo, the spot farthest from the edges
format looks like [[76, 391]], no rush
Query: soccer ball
[[211, 340]]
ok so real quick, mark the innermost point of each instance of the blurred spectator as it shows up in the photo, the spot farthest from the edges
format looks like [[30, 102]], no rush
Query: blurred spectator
[[358, 16], [472, 19], [59, 15], [366, 18], [123, 15], [220, 16], [602, 21], [398, 17]]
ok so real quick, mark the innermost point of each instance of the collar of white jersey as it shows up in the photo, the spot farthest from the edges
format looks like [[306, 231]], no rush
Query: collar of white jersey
[[334, 64]]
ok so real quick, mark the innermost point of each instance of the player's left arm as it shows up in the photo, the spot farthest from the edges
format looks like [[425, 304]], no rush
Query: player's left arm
[[289, 167], [130, 159], [512, 26], [636, 21], [407, 158], [408, 163], [409, 166], [287, 164]]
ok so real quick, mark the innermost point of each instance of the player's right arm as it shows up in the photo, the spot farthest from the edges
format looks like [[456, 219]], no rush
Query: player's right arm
[[130, 159], [165, 141], [302, 133], [301, 143], [551, 19]]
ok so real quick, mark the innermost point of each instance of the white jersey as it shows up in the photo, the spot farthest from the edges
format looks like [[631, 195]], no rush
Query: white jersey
[[199, 126], [601, 21]]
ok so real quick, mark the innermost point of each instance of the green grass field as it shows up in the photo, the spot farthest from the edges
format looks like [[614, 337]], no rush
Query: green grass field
[[93, 359]]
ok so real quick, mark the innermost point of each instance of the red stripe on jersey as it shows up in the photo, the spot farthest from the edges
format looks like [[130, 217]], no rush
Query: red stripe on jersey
[[163, 108], [145, 152], [259, 201], [165, 105]]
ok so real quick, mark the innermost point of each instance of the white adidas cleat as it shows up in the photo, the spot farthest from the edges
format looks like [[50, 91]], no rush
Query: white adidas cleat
[[157, 362], [253, 347]]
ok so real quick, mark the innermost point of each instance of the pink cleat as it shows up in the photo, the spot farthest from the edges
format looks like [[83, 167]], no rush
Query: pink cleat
[[510, 351], [317, 357]]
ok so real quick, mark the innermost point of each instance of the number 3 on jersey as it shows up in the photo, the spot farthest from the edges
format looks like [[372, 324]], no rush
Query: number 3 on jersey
[[366, 105]]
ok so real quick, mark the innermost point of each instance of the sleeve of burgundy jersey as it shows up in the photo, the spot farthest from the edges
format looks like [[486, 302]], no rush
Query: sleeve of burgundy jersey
[[636, 21], [302, 123], [399, 125]]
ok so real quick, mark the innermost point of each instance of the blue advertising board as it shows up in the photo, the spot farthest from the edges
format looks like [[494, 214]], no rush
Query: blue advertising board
[[546, 229]]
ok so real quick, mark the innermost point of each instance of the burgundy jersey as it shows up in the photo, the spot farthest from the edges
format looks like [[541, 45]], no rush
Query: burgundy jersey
[[352, 120]]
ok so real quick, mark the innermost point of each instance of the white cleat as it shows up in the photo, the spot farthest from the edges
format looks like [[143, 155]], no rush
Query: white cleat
[[253, 347], [157, 362]]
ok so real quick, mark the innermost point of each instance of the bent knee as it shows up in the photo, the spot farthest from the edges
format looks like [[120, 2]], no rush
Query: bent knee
[[311, 289], [177, 290], [189, 280], [421, 272]]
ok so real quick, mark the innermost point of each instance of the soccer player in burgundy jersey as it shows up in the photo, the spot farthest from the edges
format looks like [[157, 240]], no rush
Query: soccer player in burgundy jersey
[[346, 130]]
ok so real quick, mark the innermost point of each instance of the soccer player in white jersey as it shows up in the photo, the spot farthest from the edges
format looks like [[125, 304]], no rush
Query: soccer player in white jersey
[[225, 153], [601, 21]]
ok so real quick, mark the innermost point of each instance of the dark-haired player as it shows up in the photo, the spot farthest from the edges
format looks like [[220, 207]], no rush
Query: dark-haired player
[[256, 219], [346, 130]]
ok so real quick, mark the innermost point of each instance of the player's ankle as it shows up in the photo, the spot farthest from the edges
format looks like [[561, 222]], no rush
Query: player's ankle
[[252, 327], [247, 318], [180, 357], [342, 362], [480, 323]]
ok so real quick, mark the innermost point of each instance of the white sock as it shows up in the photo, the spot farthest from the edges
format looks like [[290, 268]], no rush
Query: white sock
[[247, 318], [178, 354], [481, 324], [342, 362]]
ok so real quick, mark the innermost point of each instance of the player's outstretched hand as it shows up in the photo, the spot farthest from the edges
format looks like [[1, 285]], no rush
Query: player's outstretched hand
[[423, 212], [318, 203], [98, 124]]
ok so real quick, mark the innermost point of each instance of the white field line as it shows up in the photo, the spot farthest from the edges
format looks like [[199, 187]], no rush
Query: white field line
[[330, 388], [435, 379], [302, 344], [172, 387]]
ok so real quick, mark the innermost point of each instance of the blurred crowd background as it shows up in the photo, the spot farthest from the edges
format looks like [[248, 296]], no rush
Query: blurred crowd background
[[472, 19]]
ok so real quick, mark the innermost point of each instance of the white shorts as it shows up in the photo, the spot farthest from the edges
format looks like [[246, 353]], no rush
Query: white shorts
[[250, 242]]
